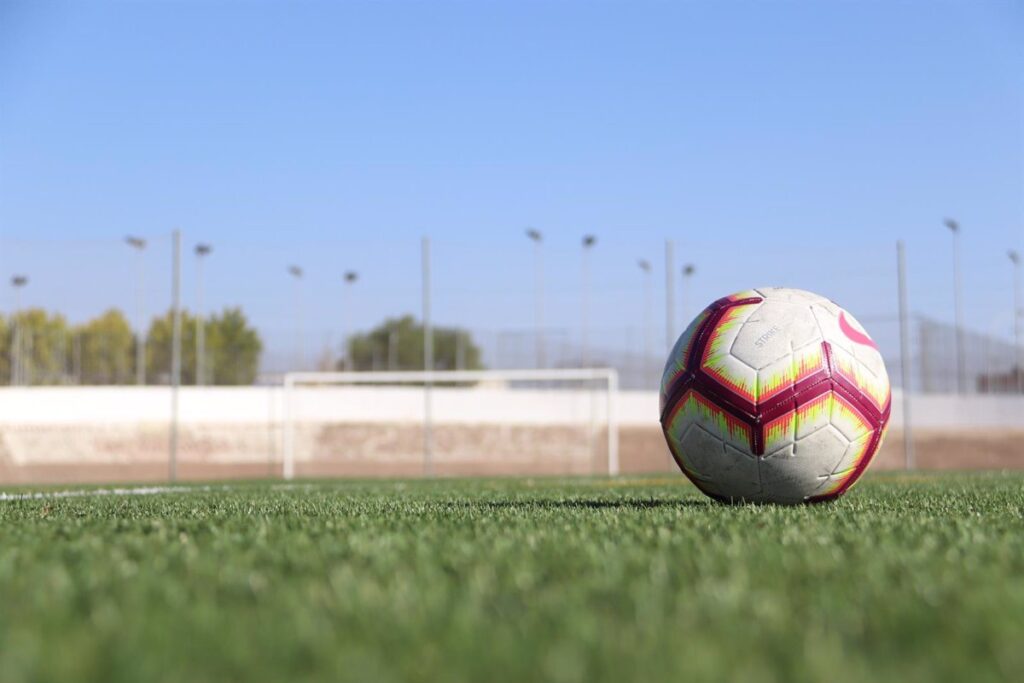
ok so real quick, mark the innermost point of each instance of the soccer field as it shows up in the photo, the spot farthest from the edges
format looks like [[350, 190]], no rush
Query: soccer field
[[908, 578]]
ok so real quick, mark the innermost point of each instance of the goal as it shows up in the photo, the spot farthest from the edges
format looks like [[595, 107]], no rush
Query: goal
[[450, 423]]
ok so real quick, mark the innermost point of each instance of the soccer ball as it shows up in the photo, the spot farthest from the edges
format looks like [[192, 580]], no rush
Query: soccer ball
[[774, 395]]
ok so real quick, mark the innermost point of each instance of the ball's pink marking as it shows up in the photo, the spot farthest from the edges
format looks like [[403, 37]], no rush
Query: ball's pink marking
[[853, 334]]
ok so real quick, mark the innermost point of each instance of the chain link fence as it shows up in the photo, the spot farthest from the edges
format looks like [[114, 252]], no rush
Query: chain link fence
[[98, 312]]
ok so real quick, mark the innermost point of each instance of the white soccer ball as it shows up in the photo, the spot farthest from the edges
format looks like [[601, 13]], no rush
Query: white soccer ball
[[774, 395]]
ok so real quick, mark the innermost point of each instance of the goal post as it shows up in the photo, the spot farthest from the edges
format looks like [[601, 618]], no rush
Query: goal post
[[517, 400]]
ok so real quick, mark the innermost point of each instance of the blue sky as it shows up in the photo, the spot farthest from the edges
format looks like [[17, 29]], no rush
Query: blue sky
[[775, 142]]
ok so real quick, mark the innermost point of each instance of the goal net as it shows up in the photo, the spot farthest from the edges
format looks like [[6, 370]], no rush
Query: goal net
[[450, 423]]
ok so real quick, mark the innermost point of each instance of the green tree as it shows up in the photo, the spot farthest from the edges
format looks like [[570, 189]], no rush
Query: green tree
[[106, 346], [158, 349], [233, 348], [44, 341], [404, 337]]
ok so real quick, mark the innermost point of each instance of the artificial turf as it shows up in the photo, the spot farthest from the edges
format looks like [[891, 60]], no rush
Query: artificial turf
[[906, 579]]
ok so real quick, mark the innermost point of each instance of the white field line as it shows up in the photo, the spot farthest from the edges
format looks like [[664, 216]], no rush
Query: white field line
[[136, 491]]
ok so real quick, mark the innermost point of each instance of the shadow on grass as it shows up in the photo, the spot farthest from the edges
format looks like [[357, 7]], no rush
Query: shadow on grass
[[594, 504]]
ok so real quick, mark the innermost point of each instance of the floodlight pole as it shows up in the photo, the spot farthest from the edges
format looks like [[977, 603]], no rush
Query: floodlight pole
[[428, 365], [350, 277], [140, 345], [688, 270], [202, 251], [300, 351], [175, 352], [588, 243], [139, 245], [538, 241], [908, 436], [17, 359], [1018, 313], [670, 295], [961, 372]]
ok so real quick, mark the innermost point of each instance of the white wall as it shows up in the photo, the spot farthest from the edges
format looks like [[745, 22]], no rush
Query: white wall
[[103, 406]]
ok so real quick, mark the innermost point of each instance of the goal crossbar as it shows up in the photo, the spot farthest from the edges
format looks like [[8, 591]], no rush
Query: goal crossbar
[[428, 378]]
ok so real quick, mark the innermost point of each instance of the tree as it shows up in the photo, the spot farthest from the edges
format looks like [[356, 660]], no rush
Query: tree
[[106, 346], [158, 348], [233, 348], [404, 338], [44, 341]]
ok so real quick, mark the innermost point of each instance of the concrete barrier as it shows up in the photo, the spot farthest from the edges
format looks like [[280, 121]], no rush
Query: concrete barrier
[[122, 433]]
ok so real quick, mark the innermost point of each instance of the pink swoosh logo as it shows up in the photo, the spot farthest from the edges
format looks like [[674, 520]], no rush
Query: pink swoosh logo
[[854, 335]]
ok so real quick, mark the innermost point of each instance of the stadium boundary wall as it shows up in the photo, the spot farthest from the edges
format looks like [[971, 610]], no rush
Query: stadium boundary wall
[[121, 433]]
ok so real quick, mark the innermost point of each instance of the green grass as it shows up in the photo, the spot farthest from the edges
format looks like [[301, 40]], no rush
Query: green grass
[[906, 579]]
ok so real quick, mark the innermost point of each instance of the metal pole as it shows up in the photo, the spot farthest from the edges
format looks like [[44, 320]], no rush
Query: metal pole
[[588, 242], [18, 373], [139, 245], [688, 270], [27, 347], [350, 279], [428, 365], [908, 437], [16, 340], [300, 326], [140, 315], [539, 315], [202, 250], [345, 304], [300, 346], [300, 341], [200, 361], [175, 352], [76, 359], [961, 372], [961, 359], [62, 349], [1018, 313], [670, 295], [585, 312]]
